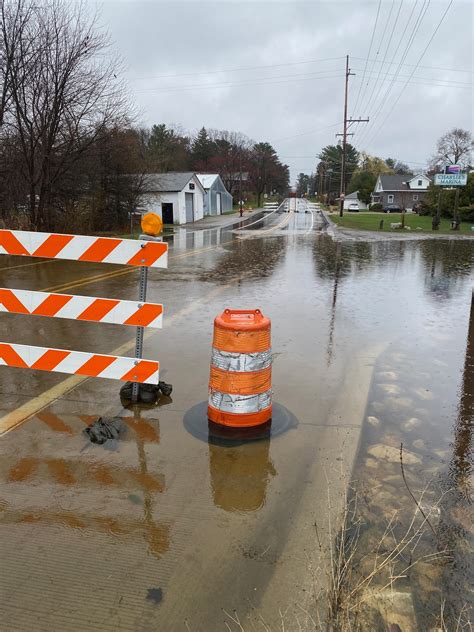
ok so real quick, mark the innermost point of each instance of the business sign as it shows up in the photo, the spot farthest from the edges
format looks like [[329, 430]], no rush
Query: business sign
[[451, 179], [452, 169]]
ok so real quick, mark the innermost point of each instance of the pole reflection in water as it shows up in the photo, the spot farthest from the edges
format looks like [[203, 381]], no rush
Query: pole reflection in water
[[461, 461], [240, 469]]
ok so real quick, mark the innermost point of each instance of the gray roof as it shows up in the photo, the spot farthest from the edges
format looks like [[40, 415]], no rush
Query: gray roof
[[172, 181], [353, 196], [394, 183], [398, 183]]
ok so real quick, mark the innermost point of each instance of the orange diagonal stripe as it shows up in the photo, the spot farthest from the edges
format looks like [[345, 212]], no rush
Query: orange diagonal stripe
[[50, 360], [95, 365], [144, 315], [149, 254], [11, 243], [142, 371], [54, 422], [102, 247], [11, 302], [11, 357], [52, 304], [52, 246], [98, 309]]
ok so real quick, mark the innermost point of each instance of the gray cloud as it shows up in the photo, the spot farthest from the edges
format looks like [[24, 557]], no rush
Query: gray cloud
[[300, 100]]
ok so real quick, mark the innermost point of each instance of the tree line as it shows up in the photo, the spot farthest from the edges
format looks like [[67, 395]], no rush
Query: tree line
[[72, 156]]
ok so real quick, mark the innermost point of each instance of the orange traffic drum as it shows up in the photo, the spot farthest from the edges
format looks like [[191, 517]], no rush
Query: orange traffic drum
[[241, 369]]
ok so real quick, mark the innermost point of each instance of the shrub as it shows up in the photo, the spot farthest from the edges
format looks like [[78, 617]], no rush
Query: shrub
[[466, 213], [424, 209], [376, 207]]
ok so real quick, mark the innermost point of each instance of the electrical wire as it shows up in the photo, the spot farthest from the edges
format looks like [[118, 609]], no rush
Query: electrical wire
[[411, 39], [414, 70], [368, 54], [378, 49], [262, 81], [386, 51], [209, 72]]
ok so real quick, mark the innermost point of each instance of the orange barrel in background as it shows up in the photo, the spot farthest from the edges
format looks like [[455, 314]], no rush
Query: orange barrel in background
[[241, 369]]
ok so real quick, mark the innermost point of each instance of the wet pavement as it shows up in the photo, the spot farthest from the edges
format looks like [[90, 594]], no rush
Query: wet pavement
[[170, 528]]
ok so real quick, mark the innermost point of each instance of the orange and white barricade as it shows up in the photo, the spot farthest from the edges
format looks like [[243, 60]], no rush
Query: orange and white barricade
[[240, 392], [147, 252]]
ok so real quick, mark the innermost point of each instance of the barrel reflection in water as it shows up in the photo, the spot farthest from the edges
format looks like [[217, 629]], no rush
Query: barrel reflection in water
[[240, 470]]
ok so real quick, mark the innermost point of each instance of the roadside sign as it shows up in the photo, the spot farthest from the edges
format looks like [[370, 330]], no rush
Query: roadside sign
[[450, 179], [452, 169]]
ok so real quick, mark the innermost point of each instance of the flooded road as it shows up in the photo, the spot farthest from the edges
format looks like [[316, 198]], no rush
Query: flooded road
[[172, 529]]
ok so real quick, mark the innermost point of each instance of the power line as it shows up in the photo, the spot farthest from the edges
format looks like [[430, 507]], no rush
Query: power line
[[414, 70], [393, 63], [209, 72], [410, 41], [453, 81], [261, 81], [386, 51], [378, 47], [399, 41], [314, 131], [368, 54]]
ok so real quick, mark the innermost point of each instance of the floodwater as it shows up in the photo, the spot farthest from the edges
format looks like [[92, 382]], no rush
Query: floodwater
[[173, 528]]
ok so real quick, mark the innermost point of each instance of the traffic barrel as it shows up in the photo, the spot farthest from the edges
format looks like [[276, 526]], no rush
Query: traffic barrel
[[240, 384]]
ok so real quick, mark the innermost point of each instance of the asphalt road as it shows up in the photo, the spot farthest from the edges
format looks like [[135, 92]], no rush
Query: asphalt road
[[166, 529]]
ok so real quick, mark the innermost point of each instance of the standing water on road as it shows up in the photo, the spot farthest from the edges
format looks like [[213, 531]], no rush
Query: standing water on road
[[170, 529]]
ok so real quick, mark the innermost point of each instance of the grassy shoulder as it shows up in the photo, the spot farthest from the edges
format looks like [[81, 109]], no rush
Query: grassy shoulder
[[371, 221]]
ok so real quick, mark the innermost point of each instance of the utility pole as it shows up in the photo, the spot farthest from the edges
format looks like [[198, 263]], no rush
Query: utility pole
[[240, 185], [345, 134]]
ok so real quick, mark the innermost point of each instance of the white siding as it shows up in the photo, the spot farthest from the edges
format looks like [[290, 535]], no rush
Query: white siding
[[413, 183], [151, 202]]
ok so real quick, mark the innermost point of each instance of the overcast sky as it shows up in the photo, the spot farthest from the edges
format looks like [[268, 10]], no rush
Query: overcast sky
[[275, 71]]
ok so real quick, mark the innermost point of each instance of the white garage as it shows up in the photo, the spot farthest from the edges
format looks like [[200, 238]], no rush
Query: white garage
[[177, 197]]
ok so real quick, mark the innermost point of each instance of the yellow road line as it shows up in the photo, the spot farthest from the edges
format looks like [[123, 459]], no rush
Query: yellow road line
[[20, 415], [117, 273], [27, 265]]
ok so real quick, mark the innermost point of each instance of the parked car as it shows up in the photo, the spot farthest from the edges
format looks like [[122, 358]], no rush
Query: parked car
[[392, 208], [353, 208]]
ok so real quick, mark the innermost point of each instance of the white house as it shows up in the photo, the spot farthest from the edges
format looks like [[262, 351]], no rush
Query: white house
[[177, 197], [217, 199], [403, 191], [352, 202]]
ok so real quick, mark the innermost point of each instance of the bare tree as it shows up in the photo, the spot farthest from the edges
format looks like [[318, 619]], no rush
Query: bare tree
[[14, 18], [60, 95], [454, 147]]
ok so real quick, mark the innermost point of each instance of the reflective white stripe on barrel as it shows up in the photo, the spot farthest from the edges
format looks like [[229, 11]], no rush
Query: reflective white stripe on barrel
[[239, 403], [234, 361]]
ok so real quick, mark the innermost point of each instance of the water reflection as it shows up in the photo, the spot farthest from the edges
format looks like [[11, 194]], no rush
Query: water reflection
[[461, 462], [239, 470], [131, 491], [445, 261], [256, 258]]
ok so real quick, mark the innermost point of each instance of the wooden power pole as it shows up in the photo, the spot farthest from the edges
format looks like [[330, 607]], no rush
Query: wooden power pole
[[345, 134]]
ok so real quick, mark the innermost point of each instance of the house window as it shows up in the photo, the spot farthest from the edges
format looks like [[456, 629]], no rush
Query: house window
[[191, 186], [415, 198], [390, 199], [420, 183]]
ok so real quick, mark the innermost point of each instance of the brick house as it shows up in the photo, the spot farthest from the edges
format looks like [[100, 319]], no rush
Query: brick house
[[404, 191]]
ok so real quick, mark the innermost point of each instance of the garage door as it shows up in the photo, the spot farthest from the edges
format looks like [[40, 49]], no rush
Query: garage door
[[189, 197]]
